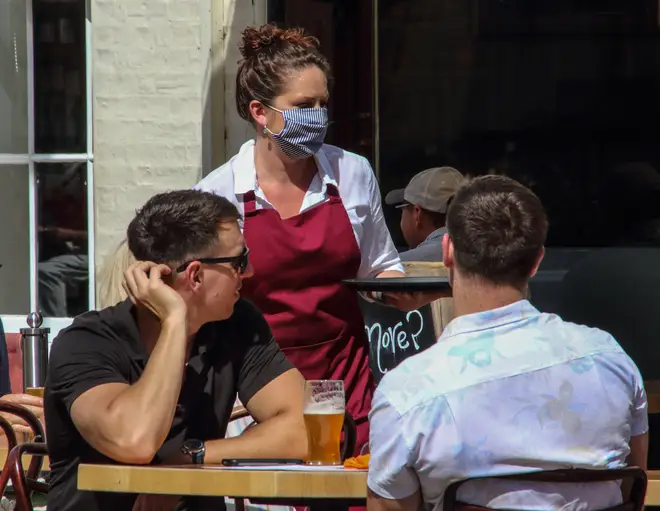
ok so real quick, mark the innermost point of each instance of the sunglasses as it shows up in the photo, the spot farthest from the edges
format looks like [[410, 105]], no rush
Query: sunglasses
[[239, 262]]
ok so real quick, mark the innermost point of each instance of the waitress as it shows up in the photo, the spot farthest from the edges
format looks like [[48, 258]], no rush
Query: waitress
[[312, 215]]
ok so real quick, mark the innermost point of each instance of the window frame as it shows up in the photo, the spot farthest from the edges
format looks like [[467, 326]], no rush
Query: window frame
[[31, 158]]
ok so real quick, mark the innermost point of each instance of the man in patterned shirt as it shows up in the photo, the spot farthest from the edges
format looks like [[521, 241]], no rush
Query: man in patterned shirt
[[507, 389]]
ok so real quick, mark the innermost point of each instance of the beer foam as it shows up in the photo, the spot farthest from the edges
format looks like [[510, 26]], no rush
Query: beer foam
[[326, 408]]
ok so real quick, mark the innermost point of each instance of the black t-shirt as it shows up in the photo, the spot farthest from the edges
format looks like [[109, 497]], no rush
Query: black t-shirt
[[235, 356]]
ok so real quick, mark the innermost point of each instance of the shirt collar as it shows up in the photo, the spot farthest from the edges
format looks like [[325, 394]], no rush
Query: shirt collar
[[512, 313], [438, 233], [245, 173]]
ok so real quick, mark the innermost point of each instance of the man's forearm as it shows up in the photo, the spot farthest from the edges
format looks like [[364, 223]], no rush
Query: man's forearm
[[145, 410], [283, 436]]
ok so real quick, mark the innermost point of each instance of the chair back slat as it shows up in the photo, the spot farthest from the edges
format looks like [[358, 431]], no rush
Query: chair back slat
[[632, 502]]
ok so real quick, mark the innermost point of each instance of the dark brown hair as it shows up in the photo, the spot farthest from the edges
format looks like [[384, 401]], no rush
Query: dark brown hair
[[174, 226], [498, 228], [269, 55]]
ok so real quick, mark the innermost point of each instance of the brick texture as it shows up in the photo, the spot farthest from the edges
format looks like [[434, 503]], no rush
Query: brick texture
[[148, 77], [151, 92], [151, 99]]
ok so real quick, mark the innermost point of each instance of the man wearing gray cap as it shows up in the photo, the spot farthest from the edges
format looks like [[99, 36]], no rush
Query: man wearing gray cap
[[423, 205]]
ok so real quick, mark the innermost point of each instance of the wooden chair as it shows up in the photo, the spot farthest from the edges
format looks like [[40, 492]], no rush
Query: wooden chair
[[10, 435], [27, 482], [634, 501], [24, 483], [348, 446]]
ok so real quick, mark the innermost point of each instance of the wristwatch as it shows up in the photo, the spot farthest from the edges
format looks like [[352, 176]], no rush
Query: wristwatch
[[195, 449]]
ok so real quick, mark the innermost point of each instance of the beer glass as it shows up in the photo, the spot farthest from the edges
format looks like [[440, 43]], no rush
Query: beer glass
[[324, 418], [35, 391], [38, 392]]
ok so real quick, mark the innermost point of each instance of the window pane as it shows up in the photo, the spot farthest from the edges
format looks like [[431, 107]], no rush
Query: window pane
[[561, 95], [63, 250], [15, 249], [59, 76], [13, 77]]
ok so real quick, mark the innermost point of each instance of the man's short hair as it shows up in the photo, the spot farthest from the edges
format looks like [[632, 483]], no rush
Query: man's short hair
[[174, 226], [498, 228]]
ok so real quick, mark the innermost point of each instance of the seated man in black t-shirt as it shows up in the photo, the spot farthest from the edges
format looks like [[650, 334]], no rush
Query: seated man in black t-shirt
[[154, 379]]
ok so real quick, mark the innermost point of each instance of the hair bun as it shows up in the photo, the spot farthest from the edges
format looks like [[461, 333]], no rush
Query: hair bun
[[269, 37]]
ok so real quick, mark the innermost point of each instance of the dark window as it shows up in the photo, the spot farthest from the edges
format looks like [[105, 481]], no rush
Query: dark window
[[561, 95]]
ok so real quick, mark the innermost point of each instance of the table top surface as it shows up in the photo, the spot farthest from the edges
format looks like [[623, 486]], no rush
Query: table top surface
[[220, 481]]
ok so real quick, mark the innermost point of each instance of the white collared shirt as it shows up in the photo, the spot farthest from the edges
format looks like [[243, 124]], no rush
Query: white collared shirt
[[358, 189], [506, 391]]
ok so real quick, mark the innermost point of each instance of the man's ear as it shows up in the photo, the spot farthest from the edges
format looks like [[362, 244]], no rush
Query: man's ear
[[447, 251], [417, 215], [539, 258], [192, 276]]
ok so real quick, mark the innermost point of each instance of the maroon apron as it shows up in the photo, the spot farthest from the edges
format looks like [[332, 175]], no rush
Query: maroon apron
[[299, 264]]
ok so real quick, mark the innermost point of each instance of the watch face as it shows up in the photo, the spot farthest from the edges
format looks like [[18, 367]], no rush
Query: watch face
[[193, 446]]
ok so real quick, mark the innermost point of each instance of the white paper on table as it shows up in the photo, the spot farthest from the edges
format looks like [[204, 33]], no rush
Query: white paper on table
[[291, 468]]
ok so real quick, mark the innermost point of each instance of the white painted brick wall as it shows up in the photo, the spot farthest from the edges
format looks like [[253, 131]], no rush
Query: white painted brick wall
[[152, 89]]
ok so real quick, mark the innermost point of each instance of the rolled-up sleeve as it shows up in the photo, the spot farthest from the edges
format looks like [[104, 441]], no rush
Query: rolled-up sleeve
[[378, 251], [391, 475]]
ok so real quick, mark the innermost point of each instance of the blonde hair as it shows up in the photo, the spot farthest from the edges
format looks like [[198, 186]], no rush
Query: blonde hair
[[111, 277]]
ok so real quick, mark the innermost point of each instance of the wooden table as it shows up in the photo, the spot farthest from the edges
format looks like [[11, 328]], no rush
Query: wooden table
[[243, 483], [215, 481], [653, 489]]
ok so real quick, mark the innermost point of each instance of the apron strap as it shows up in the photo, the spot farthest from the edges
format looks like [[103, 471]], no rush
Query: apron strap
[[249, 203]]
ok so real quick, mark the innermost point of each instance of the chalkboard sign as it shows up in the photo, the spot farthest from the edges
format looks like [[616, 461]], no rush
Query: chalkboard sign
[[395, 335]]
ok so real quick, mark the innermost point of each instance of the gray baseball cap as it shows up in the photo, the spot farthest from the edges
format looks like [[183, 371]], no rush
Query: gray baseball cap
[[431, 189]]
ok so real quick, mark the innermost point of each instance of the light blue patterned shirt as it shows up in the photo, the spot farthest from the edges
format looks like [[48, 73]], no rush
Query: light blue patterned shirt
[[506, 391]]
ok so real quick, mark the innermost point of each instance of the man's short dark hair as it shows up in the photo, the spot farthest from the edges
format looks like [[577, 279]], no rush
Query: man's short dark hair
[[174, 226], [498, 228]]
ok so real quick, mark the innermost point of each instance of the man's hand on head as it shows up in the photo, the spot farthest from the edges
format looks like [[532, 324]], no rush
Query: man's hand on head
[[143, 282]]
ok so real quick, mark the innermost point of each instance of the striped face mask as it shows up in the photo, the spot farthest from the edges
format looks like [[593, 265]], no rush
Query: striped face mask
[[303, 132]]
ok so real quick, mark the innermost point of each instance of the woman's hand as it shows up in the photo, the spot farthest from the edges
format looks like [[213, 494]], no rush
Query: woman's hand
[[408, 301], [32, 403], [413, 301]]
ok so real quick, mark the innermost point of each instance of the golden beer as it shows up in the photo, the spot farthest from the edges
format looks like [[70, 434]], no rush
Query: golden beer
[[324, 437], [324, 410], [35, 391]]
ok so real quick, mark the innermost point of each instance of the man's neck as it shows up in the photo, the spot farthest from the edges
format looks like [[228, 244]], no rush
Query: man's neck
[[472, 295], [424, 233], [149, 328]]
